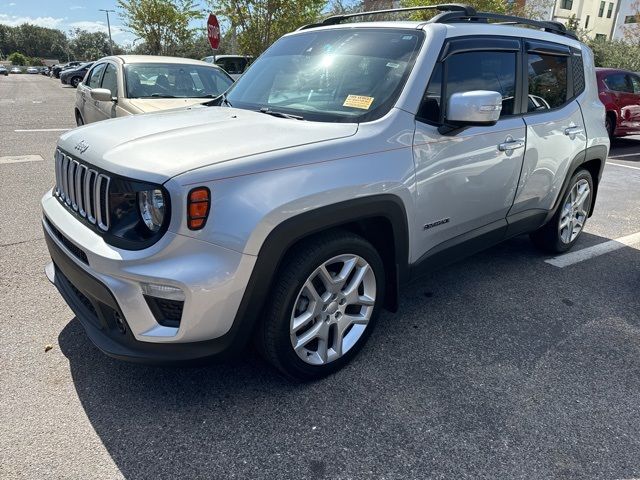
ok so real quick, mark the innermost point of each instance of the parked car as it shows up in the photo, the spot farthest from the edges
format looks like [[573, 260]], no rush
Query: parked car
[[348, 160], [4, 71], [234, 65], [73, 76], [33, 70], [130, 84], [620, 93], [45, 70], [56, 69], [16, 70]]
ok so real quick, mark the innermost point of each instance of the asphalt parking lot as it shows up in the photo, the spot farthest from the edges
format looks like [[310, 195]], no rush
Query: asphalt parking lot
[[500, 366]]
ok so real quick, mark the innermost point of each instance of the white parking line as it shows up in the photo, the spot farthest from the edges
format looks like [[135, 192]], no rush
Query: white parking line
[[625, 166], [44, 130], [20, 159], [591, 252], [625, 155]]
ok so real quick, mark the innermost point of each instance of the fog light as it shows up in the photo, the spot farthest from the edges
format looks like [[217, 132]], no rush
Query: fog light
[[163, 291]]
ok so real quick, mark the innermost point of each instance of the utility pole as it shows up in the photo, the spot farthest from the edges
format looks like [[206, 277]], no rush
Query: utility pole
[[109, 28]]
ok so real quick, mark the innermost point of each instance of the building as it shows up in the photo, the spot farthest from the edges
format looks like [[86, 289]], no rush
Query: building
[[626, 20], [599, 18]]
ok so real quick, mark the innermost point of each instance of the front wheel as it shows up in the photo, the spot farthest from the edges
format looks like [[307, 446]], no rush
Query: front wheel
[[323, 305], [75, 81], [565, 227]]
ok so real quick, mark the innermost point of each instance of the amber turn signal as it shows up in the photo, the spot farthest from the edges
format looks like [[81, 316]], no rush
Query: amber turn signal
[[198, 205]]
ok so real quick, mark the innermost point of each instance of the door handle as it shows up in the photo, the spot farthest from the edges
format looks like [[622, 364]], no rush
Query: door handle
[[511, 145], [570, 131]]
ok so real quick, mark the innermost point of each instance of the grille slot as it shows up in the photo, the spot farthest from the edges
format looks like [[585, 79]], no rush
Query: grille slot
[[83, 190]]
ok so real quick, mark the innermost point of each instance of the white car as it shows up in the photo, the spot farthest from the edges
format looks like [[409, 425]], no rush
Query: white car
[[130, 84], [33, 70]]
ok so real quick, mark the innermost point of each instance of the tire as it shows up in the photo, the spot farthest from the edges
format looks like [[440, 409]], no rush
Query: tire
[[610, 125], [329, 312], [574, 208], [79, 120], [75, 81]]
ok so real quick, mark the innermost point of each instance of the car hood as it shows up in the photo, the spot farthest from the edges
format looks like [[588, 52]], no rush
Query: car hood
[[158, 146], [146, 105]]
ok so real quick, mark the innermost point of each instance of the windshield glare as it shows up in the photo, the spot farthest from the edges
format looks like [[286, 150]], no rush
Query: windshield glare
[[332, 75], [158, 80]]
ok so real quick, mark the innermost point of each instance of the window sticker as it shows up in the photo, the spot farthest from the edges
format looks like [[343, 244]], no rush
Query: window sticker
[[358, 101], [393, 65]]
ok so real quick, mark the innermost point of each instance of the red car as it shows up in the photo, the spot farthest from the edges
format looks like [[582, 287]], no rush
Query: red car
[[620, 92]]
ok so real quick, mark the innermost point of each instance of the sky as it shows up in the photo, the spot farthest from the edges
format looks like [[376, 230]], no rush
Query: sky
[[65, 15]]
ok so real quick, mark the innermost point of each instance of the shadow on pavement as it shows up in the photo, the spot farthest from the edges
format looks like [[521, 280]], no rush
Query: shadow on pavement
[[499, 366]]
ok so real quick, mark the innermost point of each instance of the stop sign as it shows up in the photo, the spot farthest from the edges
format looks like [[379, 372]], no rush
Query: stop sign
[[213, 31]]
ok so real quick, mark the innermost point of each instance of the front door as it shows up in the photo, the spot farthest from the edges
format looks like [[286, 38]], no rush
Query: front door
[[466, 180]]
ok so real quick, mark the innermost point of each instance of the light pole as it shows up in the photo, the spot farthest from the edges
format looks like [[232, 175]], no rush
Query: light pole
[[109, 28]]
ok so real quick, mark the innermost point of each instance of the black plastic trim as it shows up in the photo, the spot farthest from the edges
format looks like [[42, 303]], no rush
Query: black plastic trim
[[479, 43]]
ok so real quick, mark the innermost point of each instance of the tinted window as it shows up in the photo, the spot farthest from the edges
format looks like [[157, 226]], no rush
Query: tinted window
[[95, 75], [110, 80], [232, 65], [618, 82], [161, 80], [547, 81], [635, 82], [494, 71]]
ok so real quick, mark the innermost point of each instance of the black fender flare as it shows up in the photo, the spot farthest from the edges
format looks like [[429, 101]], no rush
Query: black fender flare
[[289, 232]]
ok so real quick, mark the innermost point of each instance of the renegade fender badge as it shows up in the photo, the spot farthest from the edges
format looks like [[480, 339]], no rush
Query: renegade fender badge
[[436, 223], [82, 146]]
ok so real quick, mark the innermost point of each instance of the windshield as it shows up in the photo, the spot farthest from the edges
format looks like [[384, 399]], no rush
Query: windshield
[[160, 80], [336, 75]]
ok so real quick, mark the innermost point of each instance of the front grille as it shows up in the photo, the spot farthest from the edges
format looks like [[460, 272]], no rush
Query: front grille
[[72, 247], [83, 190]]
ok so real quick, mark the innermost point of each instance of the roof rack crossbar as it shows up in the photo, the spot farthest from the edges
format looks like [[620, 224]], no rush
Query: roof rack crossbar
[[484, 17], [467, 10]]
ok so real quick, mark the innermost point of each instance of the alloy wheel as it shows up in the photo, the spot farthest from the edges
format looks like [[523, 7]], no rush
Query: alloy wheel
[[574, 211], [332, 309]]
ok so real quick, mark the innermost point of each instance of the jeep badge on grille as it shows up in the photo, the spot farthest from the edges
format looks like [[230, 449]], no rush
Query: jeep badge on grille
[[82, 146]]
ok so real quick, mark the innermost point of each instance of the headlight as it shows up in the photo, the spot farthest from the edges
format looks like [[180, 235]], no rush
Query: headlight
[[151, 205]]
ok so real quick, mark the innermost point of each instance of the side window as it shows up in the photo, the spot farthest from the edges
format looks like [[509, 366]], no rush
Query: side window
[[618, 83], [96, 75], [467, 71], [547, 81], [635, 82], [110, 80]]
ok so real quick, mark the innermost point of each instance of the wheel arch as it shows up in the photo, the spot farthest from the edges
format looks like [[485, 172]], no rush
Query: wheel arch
[[380, 219]]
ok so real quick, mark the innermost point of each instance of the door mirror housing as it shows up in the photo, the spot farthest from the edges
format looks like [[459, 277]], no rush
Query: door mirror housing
[[101, 94], [474, 108]]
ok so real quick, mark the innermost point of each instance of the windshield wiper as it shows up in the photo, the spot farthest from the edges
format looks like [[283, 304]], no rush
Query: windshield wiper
[[275, 113], [217, 101], [160, 95]]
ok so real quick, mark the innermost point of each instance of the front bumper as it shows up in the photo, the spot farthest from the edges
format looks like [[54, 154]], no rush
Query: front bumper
[[102, 285]]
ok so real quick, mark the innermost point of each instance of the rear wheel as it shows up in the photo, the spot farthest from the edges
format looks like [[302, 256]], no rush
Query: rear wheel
[[79, 120], [323, 305], [565, 227], [75, 81]]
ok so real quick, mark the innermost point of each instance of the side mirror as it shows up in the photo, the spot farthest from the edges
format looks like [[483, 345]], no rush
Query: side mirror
[[101, 94], [475, 108]]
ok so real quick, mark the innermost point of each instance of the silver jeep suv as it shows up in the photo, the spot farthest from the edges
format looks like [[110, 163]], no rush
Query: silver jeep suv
[[349, 158]]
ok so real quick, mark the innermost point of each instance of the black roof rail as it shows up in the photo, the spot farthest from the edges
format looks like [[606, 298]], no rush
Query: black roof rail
[[459, 8], [484, 17]]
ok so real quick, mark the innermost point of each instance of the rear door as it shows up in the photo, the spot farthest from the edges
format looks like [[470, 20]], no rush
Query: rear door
[[555, 128], [621, 90], [634, 108]]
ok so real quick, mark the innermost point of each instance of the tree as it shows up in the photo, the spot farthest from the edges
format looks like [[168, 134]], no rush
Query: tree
[[16, 58], [163, 25], [259, 23], [533, 9], [90, 45]]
